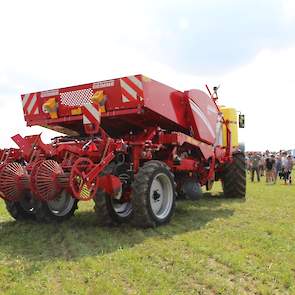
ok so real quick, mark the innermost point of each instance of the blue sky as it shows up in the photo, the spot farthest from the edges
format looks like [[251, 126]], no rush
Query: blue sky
[[246, 46]]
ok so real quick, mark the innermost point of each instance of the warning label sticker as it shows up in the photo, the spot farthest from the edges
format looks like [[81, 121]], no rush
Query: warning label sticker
[[103, 84]]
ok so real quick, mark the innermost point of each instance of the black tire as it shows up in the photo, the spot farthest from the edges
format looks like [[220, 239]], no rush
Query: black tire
[[22, 210], [143, 214], [192, 189], [45, 214], [106, 213], [105, 207], [234, 177]]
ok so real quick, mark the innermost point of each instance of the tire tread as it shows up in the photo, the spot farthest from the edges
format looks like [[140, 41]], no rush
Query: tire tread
[[234, 177]]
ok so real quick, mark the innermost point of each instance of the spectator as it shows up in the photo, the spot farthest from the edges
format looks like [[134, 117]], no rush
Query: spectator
[[278, 166], [247, 163], [287, 167], [254, 164], [262, 165], [270, 165], [273, 173], [284, 159], [284, 166]]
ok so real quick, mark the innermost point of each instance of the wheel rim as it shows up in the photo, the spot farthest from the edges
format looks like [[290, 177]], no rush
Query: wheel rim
[[62, 205], [161, 195], [122, 209]]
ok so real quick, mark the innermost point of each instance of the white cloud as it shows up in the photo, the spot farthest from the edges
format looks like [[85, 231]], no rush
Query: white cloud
[[183, 24], [263, 89], [288, 10]]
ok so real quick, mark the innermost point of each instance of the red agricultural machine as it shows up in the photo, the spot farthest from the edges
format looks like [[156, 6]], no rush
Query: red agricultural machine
[[132, 144]]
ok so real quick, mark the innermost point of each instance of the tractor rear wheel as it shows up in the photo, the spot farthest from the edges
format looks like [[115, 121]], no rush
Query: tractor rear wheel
[[111, 211], [234, 177], [57, 210], [153, 195], [23, 209]]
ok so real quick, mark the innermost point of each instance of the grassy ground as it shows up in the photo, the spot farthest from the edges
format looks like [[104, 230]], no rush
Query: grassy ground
[[214, 246]]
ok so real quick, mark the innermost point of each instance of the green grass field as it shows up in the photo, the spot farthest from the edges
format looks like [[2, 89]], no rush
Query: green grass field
[[215, 246]]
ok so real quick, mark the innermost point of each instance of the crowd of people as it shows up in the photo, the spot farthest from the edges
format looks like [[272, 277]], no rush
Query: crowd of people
[[272, 165]]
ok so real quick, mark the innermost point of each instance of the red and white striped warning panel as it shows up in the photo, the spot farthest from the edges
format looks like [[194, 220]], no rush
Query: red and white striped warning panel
[[30, 104], [91, 114], [132, 89]]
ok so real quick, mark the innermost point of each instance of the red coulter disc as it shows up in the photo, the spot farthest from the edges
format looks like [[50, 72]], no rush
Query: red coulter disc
[[44, 182], [13, 176], [82, 190]]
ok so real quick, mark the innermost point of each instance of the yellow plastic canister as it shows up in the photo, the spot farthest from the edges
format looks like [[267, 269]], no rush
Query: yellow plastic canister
[[230, 115]]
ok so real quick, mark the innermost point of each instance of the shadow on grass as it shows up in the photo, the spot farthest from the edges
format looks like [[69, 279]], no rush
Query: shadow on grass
[[80, 236], [220, 196]]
